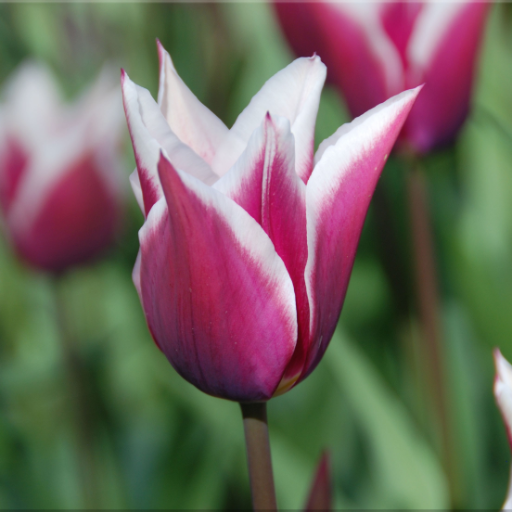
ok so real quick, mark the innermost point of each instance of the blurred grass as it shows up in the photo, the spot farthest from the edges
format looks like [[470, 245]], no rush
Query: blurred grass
[[160, 443]]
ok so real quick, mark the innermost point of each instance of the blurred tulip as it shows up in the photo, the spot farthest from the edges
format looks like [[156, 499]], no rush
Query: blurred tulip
[[60, 180], [375, 50], [503, 394], [249, 238]]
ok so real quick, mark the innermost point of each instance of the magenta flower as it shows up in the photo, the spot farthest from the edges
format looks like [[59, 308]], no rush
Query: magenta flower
[[60, 181], [376, 50], [249, 238]]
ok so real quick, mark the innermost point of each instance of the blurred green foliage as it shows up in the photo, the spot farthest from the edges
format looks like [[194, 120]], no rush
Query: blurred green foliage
[[157, 442]]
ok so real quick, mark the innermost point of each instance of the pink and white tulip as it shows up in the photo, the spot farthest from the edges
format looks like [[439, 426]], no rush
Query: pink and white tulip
[[61, 188], [503, 395], [376, 50], [249, 237]]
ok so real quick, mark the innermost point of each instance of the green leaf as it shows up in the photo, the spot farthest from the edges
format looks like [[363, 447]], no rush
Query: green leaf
[[405, 470]]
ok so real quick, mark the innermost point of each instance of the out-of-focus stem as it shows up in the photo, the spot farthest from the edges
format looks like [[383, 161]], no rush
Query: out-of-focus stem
[[258, 455], [79, 403], [428, 304]]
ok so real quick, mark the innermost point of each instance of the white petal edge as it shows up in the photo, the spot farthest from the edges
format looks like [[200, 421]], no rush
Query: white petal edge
[[503, 388]]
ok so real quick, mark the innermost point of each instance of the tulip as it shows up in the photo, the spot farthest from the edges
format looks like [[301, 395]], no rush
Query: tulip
[[60, 182], [249, 237], [503, 395], [376, 50]]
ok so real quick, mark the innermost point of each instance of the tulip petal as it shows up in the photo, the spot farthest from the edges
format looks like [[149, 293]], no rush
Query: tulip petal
[[264, 183], [292, 93], [360, 57], [193, 123], [398, 20], [337, 198], [442, 54], [503, 390], [503, 395], [320, 494], [217, 297], [150, 133]]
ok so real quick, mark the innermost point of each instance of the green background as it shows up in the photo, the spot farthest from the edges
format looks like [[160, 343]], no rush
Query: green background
[[156, 441]]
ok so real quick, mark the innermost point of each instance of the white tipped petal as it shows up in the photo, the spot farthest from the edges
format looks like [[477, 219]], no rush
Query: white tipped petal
[[292, 93], [193, 123]]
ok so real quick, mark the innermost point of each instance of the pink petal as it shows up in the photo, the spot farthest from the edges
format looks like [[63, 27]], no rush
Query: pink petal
[[264, 183], [337, 197], [13, 164], [360, 58], [150, 133], [442, 54], [77, 219], [398, 19], [292, 93], [217, 298], [320, 494], [194, 124]]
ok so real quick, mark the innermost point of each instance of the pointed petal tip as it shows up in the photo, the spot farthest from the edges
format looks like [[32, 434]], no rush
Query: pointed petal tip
[[499, 361], [161, 50], [320, 494], [163, 54], [496, 352]]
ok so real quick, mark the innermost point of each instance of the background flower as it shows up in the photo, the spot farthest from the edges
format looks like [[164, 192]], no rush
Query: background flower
[[60, 179], [376, 50]]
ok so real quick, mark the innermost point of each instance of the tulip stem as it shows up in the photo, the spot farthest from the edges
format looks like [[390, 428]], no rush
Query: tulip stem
[[428, 304], [258, 455], [79, 403]]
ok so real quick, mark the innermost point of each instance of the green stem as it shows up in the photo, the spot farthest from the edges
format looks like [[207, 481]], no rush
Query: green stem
[[428, 304], [79, 403], [258, 455]]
